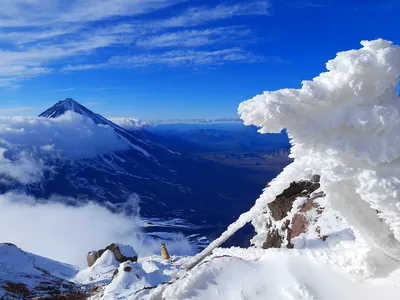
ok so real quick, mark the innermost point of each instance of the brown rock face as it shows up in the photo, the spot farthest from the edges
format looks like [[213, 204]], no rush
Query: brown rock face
[[274, 240], [164, 252], [279, 209], [94, 255], [284, 202]]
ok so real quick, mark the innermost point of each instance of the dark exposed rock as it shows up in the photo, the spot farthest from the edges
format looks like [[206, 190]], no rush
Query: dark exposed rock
[[114, 248], [127, 268], [280, 208], [92, 257], [164, 252], [284, 202], [77, 295], [115, 274], [17, 289], [274, 240]]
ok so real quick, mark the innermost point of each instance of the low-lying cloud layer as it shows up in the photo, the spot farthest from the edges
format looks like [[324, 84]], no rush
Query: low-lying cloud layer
[[135, 124], [30, 145], [68, 233], [63, 228], [130, 123]]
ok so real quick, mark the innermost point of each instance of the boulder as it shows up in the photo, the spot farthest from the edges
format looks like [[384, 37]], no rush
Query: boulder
[[122, 253], [92, 257], [127, 268], [164, 252]]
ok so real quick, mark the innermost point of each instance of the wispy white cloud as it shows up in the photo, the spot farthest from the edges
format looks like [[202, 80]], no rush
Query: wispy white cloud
[[185, 57], [35, 59], [174, 58], [200, 15], [61, 90], [38, 37], [84, 67], [193, 38], [35, 13], [21, 36]]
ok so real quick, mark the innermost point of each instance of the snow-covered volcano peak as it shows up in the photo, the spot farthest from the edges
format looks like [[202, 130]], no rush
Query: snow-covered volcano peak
[[63, 106], [69, 104]]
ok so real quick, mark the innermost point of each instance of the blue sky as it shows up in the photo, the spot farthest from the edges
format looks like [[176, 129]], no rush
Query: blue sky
[[173, 58]]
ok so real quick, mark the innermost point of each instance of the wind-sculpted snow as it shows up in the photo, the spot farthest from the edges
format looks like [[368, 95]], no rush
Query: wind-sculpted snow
[[29, 146], [344, 125]]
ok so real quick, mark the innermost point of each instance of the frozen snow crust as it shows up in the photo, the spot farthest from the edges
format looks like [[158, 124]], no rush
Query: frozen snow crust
[[344, 125]]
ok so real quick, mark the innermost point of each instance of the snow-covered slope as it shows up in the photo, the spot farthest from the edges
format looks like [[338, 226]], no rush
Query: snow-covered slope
[[63, 106], [24, 275]]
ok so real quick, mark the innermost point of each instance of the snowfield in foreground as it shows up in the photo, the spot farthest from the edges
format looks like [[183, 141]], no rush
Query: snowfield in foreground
[[345, 126], [234, 273]]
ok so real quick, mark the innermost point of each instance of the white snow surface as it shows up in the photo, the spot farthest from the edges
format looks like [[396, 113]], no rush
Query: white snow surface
[[17, 266], [127, 250]]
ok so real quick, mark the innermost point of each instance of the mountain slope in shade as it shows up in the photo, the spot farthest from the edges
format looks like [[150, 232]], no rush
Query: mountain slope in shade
[[175, 191]]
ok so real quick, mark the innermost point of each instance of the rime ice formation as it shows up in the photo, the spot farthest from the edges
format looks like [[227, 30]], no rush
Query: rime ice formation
[[344, 125]]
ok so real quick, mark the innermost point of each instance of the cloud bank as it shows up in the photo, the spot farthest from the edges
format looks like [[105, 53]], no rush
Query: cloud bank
[[135, 124], [130, 123], [29, 146], [64, 228], [67, 233]]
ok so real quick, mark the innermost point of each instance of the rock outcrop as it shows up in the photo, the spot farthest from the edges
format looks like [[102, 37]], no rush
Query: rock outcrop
[[292, 212], [122, 254], [164, 252], [92, 257]]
